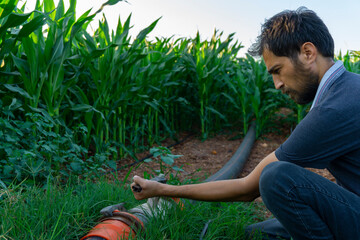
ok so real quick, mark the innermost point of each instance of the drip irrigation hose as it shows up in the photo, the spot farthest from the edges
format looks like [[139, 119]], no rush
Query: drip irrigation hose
[[205, 229]]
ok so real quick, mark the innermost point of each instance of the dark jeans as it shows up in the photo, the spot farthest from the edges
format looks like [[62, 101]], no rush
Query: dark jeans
[[306, 205]]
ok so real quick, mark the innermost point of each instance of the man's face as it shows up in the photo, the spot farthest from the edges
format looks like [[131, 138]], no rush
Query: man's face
[[294, 79]]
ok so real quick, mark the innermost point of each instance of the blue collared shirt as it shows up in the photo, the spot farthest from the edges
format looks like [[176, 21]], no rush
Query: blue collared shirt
[[329, 135], [329, 77]]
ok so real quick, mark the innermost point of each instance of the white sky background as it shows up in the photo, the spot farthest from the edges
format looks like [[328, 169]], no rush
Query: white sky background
[[183, 18]]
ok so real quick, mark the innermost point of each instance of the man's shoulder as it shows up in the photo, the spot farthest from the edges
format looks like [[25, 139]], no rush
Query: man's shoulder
[[351, 75], [344, 94], [349, 78]]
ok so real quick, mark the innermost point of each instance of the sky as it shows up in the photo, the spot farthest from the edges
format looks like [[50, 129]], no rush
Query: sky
[[183, 18]]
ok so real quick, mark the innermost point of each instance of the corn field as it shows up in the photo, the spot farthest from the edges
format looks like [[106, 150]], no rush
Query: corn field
[[73, 101]]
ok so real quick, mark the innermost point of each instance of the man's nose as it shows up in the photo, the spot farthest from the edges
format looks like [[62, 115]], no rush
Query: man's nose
[[277, 82]]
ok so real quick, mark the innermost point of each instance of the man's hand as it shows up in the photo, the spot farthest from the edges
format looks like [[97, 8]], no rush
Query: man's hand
[[143, 188]]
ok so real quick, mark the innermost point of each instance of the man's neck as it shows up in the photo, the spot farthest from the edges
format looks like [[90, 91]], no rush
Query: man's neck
[[324, 65]]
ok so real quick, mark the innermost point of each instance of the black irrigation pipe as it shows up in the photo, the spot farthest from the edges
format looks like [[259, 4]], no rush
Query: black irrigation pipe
[[235, 165]]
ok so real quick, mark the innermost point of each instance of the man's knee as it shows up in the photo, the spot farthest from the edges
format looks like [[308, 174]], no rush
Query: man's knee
[[275, 177], [272, 172]]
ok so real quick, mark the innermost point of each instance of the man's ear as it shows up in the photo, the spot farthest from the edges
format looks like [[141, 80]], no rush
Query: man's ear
[[308, 52]]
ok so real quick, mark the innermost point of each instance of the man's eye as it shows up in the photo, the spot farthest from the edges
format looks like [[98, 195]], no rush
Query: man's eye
[[276, 71]]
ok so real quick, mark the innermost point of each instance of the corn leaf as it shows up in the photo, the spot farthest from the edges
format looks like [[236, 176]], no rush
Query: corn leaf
[[143, 33], [49, 8], [14, 20], [31, 26], [80, 22], [105, 30], [213, 110], [112, 2], [6, 7], [87, 108], [22, 66], [17, 89], [14, 73], [60, 10]]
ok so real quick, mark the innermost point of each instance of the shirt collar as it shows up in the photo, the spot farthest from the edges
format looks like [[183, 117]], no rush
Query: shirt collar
[[329, 77]]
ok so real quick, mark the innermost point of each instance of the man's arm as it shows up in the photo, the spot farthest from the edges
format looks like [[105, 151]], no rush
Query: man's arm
[[243, 189]]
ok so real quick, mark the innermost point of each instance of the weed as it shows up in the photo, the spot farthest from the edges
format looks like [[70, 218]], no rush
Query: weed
[[166, 160]]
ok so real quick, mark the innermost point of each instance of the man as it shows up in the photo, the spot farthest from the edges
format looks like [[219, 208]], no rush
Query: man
[[298, 51]]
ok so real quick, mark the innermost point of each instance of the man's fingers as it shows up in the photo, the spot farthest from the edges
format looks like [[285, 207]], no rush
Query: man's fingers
[[135, 186]]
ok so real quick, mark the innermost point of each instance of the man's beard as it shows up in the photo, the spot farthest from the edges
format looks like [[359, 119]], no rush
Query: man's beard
[[310, 84]]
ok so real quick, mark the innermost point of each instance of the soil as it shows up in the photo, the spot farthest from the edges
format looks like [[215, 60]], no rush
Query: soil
[[201, 159]]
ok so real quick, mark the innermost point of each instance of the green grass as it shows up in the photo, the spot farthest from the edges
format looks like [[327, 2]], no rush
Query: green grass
[[224, 220], [70, 212]]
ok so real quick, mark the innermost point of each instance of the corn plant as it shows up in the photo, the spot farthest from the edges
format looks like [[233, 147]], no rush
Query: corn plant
[[113, 68], [11, 19], [15, 25], [207, 62], [239, 97], [43, 69], [133, 87], [101, 65], [251, 92], [263, 102]]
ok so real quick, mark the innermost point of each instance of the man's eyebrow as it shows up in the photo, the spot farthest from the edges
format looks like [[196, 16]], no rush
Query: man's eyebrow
[[272, 69]]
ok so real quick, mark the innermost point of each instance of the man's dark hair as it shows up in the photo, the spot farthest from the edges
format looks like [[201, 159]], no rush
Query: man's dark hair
[[287, 31]]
